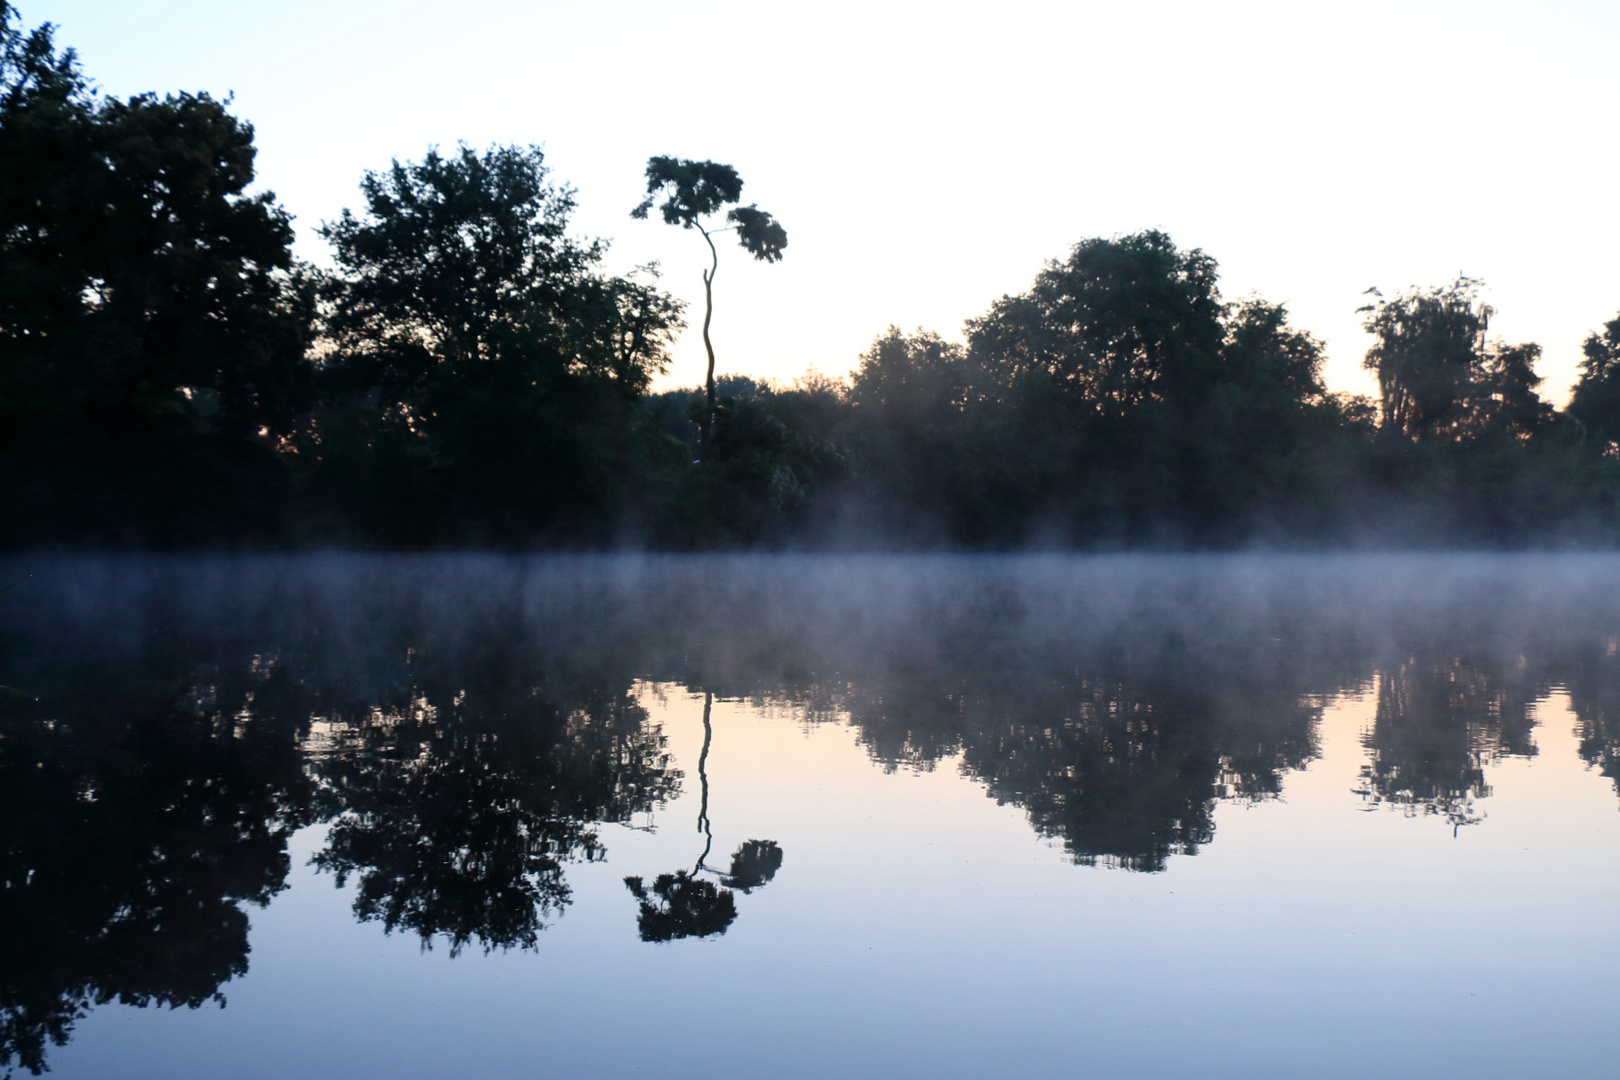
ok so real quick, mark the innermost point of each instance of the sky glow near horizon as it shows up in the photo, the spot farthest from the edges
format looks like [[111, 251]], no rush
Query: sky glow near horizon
[[928, 158]]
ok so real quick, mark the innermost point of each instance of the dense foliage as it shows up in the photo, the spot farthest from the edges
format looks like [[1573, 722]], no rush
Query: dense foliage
[[467, 373], [481, 375], [153, 325]]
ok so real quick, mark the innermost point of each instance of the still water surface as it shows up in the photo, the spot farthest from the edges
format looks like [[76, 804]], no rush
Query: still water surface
[[448, 816]]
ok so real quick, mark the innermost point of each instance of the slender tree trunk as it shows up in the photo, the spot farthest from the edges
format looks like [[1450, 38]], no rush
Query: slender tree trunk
[[708, 346], [703, 780]]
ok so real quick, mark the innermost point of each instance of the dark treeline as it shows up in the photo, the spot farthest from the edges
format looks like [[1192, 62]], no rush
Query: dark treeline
[[466, 373]]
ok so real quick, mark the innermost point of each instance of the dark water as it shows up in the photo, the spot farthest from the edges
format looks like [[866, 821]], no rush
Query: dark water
[[811, 817]]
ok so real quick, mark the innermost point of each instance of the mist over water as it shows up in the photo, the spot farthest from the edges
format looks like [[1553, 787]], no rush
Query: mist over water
[[1107, 808]]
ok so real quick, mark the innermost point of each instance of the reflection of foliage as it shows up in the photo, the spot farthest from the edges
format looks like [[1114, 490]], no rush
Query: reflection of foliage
[[753, 865], [1439, 722], [1127, 771], [150, 796], [457, 829], [683, 905], [907, 720], [1594, 691], [133, 826], [472, 722], [1117, 780], [1120, 754], [687, 906]]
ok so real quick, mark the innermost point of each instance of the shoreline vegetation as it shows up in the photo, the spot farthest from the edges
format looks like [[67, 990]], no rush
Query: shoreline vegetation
[[467, 375]]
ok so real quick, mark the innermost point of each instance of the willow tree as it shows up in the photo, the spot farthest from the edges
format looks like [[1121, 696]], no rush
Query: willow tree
[[691, 193]]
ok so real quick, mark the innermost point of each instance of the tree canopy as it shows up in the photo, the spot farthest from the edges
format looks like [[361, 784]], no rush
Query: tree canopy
[[687, 192], [151, 315], [1118, 323], [473, 334]]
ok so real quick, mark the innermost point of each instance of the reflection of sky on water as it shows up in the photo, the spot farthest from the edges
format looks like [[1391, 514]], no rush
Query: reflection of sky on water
[[920, 927]]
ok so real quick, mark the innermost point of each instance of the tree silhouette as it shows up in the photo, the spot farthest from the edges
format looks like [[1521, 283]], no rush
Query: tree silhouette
[[1119, 323], [480, 347], [1596, 401], [691, 192], [1437, 377], [154, 326]]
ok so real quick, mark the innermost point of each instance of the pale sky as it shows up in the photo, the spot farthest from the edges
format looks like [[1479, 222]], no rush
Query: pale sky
[[926, 158]]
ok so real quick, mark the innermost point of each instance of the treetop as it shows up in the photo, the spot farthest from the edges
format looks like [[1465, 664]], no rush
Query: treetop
[[692, 190]]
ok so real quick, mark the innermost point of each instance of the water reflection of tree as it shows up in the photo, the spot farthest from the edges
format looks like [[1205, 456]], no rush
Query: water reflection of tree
[[1118, 779], [473, 724], [457, 826], [148, 798], [684, 904], [1440, 720], [1594, 692], [1127, 769], [1118, 748], [141, 806], [681, 905], [908, 719]]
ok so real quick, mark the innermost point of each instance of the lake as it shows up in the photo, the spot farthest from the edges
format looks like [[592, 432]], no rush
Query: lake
[[810, 816]]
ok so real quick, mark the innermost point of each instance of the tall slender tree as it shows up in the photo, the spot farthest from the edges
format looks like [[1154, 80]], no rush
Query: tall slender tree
[[691, 193]]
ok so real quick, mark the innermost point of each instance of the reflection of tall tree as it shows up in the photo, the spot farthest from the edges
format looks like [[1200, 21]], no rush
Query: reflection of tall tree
[[1440, 721], [683, 904], [457, 825], [139, 810]]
